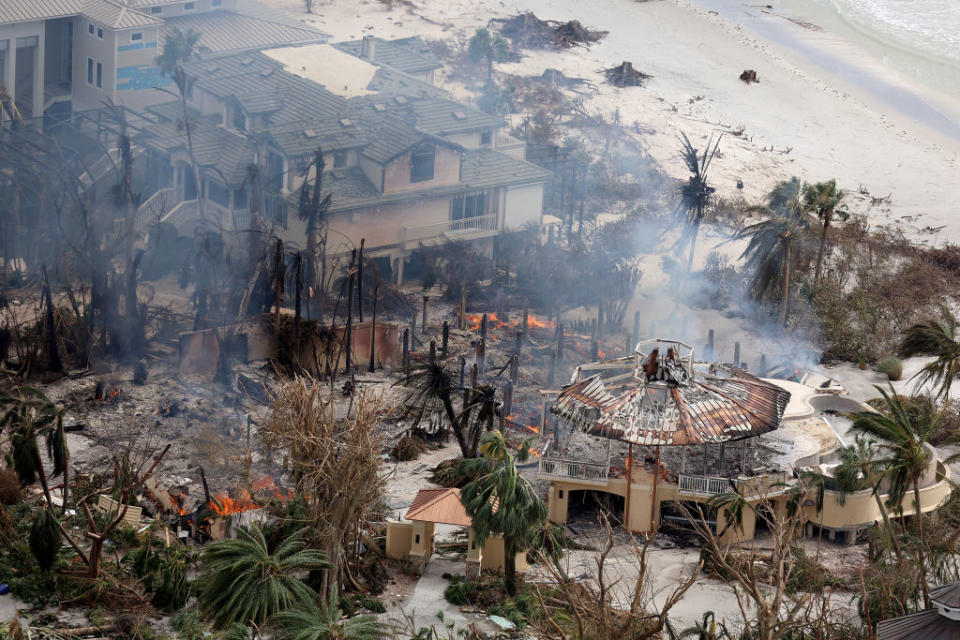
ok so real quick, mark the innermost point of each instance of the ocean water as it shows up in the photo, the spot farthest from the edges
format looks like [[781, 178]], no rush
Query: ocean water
[[925, 27]]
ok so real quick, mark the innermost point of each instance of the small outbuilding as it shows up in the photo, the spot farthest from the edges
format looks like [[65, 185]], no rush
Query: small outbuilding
[[412, 537], [942, 622]]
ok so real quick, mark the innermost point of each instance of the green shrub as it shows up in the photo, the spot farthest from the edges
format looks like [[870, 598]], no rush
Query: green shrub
[[891, 367], [461, 591]]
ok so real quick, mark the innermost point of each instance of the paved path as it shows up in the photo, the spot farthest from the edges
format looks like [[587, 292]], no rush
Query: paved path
[[427, 605]]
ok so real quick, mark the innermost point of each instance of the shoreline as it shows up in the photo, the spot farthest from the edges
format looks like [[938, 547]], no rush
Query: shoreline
[[799, 120]]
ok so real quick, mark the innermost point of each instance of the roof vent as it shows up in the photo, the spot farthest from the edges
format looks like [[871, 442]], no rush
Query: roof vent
[[267, 72], [246, 62], [459, 115], [213, 68], [380, 107], [310, 133], [346, 122], [401, 100]]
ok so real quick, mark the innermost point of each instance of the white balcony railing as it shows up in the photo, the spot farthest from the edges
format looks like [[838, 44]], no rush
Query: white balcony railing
[[559, 468], [463, 229], [154, 207], [702, 485]]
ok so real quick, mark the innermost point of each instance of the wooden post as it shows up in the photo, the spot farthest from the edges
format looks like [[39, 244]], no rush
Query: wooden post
[[514, 369], [413, 322], [426, 306], [553, 367], [406, 353], [653, 500], [463, 366], [462, 321], [446, 338], [559, 342], [349, 334], [593, 329], [433, 352], [525, 324], [519, 343], [373, 330], [481, 356], [626, 509], [600, 321], [474, 375], [483, 327], [508, 399], [736, 354], [360, 282]]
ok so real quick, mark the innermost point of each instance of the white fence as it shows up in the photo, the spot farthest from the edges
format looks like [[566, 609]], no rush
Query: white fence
[[463, 229], [703, 485]]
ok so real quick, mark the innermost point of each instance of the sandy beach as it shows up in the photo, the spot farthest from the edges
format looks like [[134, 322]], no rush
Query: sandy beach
[[800, 119]]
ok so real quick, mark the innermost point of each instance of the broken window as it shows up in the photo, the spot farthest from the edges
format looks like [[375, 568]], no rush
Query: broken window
[[421, 163]]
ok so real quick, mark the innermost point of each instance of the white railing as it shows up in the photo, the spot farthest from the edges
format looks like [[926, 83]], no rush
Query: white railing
[[703, 485], [559, 468], [181, 214], [154, 206], [464, 228]]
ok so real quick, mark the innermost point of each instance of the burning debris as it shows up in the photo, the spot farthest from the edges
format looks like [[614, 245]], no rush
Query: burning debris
[[624, 75], [527, 30]]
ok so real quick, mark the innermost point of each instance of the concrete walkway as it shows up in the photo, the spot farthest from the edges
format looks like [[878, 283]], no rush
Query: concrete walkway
[[427, 606]]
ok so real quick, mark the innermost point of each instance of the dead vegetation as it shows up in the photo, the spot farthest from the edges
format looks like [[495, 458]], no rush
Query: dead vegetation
[[526, 30], [624, 75]]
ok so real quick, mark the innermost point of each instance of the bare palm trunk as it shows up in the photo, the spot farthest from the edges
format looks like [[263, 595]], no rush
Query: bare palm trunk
[[823, 246], [785, 286], [921, 559], [509, 570], [889, 526]]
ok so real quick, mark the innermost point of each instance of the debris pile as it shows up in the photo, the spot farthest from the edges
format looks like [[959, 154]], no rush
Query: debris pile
[[527, 30], [624, 75], [749, 76]]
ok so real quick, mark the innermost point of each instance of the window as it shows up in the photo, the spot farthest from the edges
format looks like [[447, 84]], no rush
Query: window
[[136, 35], [90, 71], [100, 33], [188, 6], [339, 159], [239, 119], [99, 76], [468, 206], [156, 10], [421, 163], [218, 193], [560, 494], [417, 539], [486, 138], [90, 28]]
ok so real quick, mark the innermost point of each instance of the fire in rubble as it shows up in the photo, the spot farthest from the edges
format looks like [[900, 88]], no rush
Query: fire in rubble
[[225, 505], [474, 320]]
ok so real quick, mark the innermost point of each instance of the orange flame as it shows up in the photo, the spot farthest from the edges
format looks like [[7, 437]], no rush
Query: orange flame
[[474, 320], [228, 505], [266, 483]]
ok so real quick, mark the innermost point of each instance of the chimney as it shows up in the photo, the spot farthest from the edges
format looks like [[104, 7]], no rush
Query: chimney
[[368, 48]]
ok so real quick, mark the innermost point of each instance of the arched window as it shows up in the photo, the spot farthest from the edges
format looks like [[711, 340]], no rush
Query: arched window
[[421, 163]]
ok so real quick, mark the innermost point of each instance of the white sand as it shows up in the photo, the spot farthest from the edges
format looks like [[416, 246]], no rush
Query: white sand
[[832, 128]]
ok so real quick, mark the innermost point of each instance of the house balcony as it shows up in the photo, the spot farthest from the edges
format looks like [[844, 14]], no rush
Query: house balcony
[[439, 232]]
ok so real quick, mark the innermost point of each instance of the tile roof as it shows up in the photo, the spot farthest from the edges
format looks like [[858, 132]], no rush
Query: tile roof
[[439, 505], [948, 595], [225, 30], [410, 55], [391, 137], [718, 403], [27, 10], [925, 625], [444, 117], [302, 138], [482, 168], [117, 15]]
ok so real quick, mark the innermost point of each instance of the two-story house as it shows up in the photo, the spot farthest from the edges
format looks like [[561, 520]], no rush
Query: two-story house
[[406, 166], [58, 56]]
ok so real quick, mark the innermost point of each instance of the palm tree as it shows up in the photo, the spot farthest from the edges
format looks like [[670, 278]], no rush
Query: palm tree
[[769, 253], [500, 501], [858, 470], [823, 199], [489, 48], [706, 629], [902, 436], [327, 622], [313, 210], [939, 339], [242, 581], [29, 415], [695, 193], [433, 385]]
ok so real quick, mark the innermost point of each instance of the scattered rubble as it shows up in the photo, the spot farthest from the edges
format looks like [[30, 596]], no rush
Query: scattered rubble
[[527, 30], [749, 76]]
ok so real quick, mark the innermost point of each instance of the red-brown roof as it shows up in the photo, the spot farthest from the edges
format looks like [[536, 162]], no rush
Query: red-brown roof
[[439, 505]]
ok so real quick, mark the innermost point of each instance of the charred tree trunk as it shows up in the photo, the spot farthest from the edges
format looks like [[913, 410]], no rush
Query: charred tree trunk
[[51, 350]]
